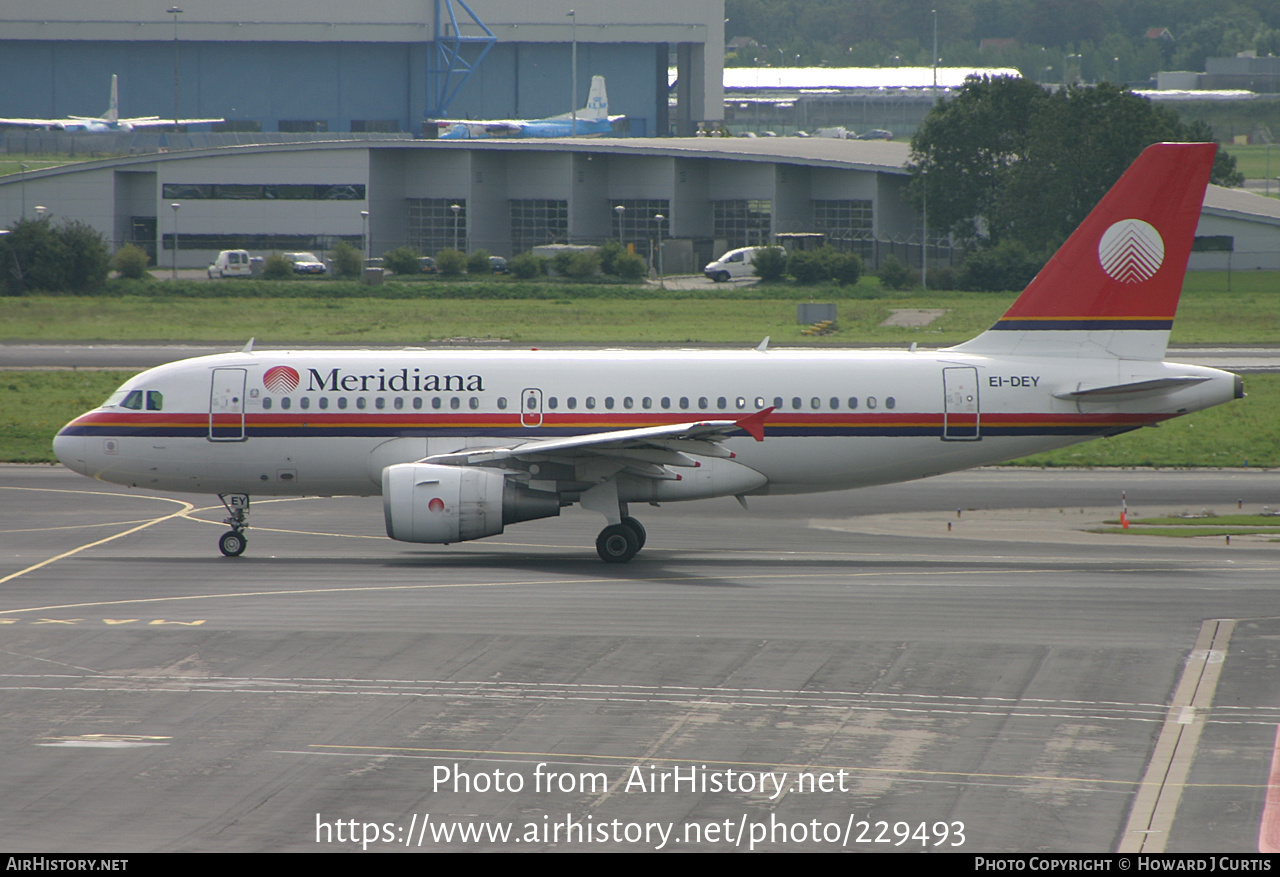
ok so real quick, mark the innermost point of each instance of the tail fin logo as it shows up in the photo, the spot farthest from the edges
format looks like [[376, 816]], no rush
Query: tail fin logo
[[1131, 251]]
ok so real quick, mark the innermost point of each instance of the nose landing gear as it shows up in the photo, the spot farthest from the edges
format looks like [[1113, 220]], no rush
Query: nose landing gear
[[233, 542]]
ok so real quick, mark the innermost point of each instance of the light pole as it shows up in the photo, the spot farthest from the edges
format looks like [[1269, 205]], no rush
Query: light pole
[[620, 211], [175, 12], [456, 208], [364, 238], [23, 166], [40, 212], [573, 18], [659, 218], [176, 207]]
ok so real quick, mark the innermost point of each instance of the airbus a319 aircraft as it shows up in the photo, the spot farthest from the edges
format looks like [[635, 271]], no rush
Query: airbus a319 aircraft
[[462, 444], [108, 121]]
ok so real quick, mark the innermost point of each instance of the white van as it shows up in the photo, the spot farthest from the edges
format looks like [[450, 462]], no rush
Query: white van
[[231, 263], [733, 265]]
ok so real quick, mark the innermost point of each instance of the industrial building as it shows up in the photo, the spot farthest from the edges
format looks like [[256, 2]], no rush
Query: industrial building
[[698, 196], [379, 66]]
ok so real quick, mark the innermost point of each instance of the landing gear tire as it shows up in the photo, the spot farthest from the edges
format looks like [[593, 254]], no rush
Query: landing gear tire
[[638, 529], [232, 543], [617, 543]]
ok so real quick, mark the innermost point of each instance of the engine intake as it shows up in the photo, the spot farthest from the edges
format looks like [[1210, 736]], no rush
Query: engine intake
[[423, 502]]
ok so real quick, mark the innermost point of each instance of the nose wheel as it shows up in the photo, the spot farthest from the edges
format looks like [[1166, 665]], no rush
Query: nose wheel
[[233, 542]]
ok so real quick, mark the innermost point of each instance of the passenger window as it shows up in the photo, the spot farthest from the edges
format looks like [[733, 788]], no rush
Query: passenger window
[[722, 403], [815, 403], [379, 403], [646, 402], [835, 403], [399, 403], [285, 403], [474, 402], [702, 402], [777, 402], [133, 401], [342, 402], [571, 403], [591, 401], [742, 403], [266, 403], [502, 403], [684, 401], [608, 402], [666, 401], [626, 402], [305, 402], [155, 400], [417, 403], [435, 402], [796, 403], [360, 402], [552, 402], [853, 402], [871, 401], [455, 403], [324, 402], [890, 402]]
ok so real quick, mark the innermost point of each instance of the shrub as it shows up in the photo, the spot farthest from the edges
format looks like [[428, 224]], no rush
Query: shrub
[[584, 264], [402, 261], [527, 266], [276, 267], [846, 268], [770, 264], [347, 260], [478, 263], [894, 274], [1009, 265], [630, 266], [130, 262], [808, 266], [451, 263], [560, 262], [609, 252], [87, 253]]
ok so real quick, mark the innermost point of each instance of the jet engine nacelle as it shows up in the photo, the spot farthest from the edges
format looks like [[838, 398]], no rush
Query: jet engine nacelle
[[423, 502]]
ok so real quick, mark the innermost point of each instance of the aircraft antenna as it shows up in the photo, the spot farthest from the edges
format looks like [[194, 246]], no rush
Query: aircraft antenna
[[248, 348]]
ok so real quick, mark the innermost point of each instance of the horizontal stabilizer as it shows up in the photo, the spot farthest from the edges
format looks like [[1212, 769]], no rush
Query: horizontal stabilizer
[[1156, 385]]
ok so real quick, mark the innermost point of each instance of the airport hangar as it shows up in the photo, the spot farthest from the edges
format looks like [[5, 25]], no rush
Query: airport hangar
[[377, 66], [713, 194]]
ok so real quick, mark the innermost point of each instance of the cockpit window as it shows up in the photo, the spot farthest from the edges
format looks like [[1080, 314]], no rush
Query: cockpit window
[[133, 401], [155, 400]]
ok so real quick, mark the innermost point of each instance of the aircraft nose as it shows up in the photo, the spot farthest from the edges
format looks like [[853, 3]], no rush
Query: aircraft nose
[[70, 451]]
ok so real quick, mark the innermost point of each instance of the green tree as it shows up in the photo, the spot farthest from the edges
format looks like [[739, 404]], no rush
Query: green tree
[[478, 262], [527, 266], [36, 254], [1007, 159], [770, 264], [276, 267], [451, 263]]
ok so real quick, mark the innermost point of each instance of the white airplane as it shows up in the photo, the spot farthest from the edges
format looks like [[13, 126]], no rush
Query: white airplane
[[108, 121], [592, 121], [460, 443]]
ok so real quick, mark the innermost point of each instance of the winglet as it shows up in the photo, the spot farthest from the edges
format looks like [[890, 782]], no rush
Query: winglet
[[753, 424]]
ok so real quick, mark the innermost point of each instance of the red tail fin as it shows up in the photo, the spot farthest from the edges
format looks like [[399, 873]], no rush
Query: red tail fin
[[1122, 269]]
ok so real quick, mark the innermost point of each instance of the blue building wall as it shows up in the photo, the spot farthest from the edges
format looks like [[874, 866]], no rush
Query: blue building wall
[[333, 82]]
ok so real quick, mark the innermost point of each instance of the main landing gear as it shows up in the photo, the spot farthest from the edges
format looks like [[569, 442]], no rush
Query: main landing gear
[[618, 543], [233, 542]]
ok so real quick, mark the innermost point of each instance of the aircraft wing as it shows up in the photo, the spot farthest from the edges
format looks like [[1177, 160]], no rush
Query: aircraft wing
[[33, 123], [155, 121], [651, 445]]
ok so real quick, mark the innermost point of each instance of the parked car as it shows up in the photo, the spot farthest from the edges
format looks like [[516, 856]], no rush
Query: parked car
[[305, 263], [428, 265], [875, 134], [733, 265], [497, 265], [231, 263]]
